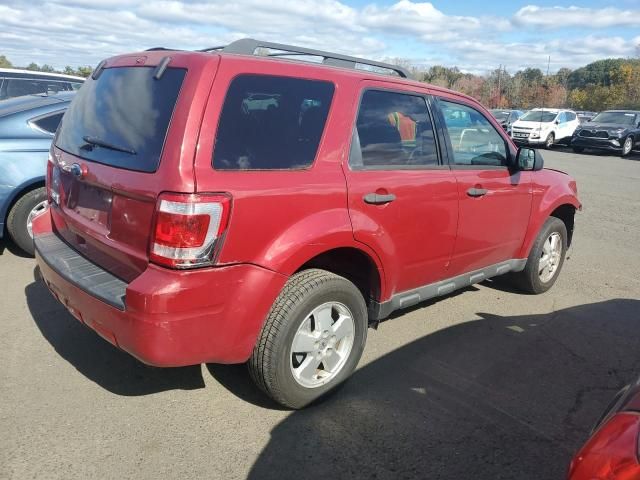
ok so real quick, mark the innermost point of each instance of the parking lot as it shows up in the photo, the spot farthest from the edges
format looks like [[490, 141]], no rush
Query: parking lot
[[486, 383]]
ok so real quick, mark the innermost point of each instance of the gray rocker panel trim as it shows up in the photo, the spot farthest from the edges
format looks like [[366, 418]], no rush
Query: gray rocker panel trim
[[380, 311], [79, 271]]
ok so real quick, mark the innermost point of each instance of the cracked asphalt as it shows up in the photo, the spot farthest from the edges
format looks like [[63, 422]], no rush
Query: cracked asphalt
[[484, 384]]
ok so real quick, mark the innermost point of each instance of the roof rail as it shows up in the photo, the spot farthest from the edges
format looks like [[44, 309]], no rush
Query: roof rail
[[248, 46]]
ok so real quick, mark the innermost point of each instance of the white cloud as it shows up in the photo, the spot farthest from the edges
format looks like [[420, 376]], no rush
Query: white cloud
[[82, 32], [564, 17], [476, 57], [406, 16]]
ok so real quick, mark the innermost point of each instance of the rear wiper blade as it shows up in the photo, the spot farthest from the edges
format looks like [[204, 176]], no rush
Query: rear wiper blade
[[103, 143]]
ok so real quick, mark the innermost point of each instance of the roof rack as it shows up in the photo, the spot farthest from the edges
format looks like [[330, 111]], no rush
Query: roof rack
[[248, 46]]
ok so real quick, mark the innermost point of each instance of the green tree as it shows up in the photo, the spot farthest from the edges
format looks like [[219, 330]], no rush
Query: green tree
[[4, 62], [532, 75], [33, 66], [84, 71], [562, 76]]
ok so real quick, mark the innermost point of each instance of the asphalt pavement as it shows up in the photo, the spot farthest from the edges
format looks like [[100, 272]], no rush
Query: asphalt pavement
[[486, 383]]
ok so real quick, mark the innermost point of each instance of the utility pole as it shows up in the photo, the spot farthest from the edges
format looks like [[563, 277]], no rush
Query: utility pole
[[499, 86]]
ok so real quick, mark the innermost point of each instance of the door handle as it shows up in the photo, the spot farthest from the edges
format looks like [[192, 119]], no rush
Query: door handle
[[378, 199], [477, 192]]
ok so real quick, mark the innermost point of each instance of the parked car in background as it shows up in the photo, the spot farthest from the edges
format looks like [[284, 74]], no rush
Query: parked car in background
[[16, 83], [27, 126], [584, 117], [613, 450], [614, 130], [275, 208], [545, 127], [506, 118]]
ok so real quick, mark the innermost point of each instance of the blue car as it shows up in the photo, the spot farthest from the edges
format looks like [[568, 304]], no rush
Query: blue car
[[27, 126]]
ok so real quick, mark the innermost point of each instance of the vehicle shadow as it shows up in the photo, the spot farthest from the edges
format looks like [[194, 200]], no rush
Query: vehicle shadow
[[235, 378], [95, 358], [496, 398], [6, 245]]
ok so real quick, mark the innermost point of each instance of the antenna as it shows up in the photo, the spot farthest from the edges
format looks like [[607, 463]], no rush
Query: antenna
[[499, 90]]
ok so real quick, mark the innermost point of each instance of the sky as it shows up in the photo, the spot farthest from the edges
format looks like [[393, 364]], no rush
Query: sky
[[477, 36]]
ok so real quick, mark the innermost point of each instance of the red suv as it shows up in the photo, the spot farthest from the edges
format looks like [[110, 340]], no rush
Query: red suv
[[224, 206]]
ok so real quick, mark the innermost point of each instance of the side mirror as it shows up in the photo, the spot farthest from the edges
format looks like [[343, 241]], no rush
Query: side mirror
[[557, 122], [529, 159]]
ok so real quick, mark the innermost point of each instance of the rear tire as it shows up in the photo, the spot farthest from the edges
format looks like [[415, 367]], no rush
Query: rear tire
[[578, 149], [20, 216], [300, 354], [545, 259], [627, 146]]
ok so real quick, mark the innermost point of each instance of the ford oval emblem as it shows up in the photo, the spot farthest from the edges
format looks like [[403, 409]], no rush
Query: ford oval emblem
[[76, 170]]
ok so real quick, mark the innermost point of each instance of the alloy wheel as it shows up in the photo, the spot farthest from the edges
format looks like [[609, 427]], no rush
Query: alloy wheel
[[322, 344], [550, 258], [550, 140]]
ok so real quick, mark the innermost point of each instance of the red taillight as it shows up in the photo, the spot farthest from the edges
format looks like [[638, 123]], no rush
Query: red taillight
[[181, 231], [48, 179], [53, 182], [188, 228], [612, 451]]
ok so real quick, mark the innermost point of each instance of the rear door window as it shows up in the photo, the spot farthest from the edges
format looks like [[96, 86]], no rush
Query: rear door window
[[271, 123], [121, 119], [393, 131]]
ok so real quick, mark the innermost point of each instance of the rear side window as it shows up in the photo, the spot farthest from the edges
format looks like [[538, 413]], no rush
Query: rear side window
[[393, 130], [49, 123], [121, 119], [271, 123]]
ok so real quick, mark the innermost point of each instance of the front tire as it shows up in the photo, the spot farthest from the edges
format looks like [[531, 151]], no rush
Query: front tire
[[578, 149], [545, 259], [312, 338], [551, 139], [627, 146], [21, 215]]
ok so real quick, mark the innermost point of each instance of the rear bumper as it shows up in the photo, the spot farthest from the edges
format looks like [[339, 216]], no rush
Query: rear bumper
[[597, 143], [166, 317]]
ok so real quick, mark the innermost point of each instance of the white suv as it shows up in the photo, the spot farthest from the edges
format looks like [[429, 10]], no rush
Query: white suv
[[545, 126]]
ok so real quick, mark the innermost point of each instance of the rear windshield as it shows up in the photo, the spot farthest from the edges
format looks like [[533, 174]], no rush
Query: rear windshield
[[539, 116], [271, 123], [500, 115], [619, 118], [121, 119]]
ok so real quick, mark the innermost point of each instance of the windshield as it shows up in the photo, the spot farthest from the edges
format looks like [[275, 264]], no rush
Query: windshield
[[500, 114], [121, 119], [539, 116], [620, 118]]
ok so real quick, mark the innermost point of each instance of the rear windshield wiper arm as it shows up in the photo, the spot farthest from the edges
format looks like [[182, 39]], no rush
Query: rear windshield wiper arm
[[102, 143]]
